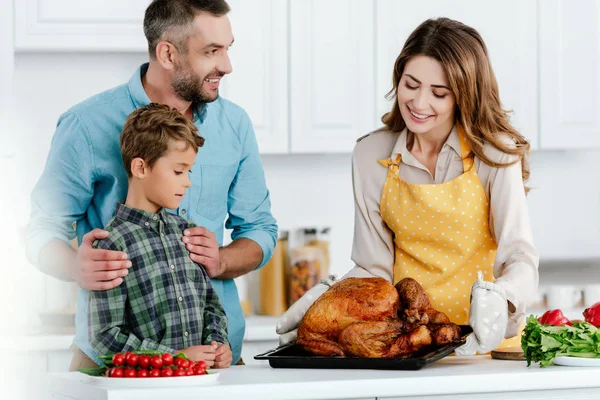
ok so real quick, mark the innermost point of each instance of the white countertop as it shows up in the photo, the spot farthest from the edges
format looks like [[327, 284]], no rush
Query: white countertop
[[461, 376], [258, 328]]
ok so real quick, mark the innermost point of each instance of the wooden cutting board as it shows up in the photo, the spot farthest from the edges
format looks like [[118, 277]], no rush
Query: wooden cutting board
[[509, 353]]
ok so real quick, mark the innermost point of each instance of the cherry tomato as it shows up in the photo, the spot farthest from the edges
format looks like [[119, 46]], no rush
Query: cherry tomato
[[178, 361], [201, 363], [156, 361], [185, 364], [118, 360], [130, 373], [142, 373], [190, 372], [116, 373], [166, 372], [133, 360], [180, 372], [167, 359], [199, 370], [154, 373], [144, 361]]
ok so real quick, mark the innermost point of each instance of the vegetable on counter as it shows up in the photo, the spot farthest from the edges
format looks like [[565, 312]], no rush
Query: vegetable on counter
[[554, 317], [592, 314], [146, 364], [542, 343]]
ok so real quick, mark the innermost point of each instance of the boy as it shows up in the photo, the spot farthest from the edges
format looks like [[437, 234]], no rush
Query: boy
[[166, 302]]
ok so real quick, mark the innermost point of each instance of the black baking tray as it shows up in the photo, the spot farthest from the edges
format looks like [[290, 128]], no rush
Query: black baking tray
[[294, 356]]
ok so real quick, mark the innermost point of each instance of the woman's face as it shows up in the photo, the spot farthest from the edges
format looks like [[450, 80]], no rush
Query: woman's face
[[424, 97]]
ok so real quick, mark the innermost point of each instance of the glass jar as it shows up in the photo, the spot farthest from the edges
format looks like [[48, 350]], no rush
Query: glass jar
[[272, 280], [304, 271]]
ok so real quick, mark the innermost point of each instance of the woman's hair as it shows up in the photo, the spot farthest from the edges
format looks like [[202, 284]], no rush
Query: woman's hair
[[463, 54]]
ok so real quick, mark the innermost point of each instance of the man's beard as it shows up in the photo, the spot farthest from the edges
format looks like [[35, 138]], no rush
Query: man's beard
[[188, 86]]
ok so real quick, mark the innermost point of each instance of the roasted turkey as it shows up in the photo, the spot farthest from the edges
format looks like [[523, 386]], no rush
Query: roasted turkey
[[369, 317]]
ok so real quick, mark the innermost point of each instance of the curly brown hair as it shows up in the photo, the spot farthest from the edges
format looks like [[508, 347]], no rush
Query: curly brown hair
[[463, 54], [148, 131]]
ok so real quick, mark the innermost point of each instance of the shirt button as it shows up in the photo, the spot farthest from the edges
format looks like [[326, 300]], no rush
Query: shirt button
[[185, 333], [183, 212], [147, 223], [180, 298], [172, 267], [154, 218]]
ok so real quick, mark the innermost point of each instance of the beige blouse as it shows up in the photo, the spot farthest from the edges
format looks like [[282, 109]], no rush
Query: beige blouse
[[516, 265]]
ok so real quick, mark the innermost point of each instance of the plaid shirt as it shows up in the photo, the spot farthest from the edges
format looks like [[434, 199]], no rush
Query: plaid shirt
[[166, 302]]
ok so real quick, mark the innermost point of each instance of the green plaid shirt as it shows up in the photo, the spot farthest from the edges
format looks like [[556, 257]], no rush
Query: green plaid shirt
[[166, 302]]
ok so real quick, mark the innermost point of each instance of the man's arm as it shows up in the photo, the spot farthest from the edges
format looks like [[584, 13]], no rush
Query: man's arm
[[61, 197], [254, 228]]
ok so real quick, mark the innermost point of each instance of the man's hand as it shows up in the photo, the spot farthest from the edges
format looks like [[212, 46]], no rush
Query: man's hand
[[97, 269], [205, 352], [204, 249], [223, 356]]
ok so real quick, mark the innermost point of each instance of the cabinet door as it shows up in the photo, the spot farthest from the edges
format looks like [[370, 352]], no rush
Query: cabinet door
[[331, 74], [509, 29], [90, 25], [570, 74], [259, 80]]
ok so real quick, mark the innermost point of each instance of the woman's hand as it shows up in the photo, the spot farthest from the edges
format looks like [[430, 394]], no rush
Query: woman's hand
[[287, 325], [488, 318]]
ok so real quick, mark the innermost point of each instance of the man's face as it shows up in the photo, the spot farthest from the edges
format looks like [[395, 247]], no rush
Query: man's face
[[168, 179], [198, 73]]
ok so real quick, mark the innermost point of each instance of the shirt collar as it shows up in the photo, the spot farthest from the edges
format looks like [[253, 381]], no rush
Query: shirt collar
[[140, 217], [453, 143], [140, 98]]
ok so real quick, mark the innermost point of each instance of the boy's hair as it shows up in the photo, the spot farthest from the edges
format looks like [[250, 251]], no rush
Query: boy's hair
[[148, 131]]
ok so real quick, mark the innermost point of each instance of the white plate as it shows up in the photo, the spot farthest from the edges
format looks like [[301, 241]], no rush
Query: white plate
[[577, 361], [178, 381]]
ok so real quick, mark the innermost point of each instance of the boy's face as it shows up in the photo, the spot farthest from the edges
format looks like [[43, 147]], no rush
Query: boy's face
[[168, 179]]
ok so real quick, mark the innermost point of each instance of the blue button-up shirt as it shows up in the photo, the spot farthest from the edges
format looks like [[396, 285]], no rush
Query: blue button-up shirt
[[84, 179]]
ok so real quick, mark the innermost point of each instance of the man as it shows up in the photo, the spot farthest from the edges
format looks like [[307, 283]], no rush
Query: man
[[84, 178]]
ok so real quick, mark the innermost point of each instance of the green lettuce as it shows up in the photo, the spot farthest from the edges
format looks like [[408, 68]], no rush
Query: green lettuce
[[543, 343]]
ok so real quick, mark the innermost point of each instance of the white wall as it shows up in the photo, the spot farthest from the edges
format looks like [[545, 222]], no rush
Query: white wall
[[305, 189]]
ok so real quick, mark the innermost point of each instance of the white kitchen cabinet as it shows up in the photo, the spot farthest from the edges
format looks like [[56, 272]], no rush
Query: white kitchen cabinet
[[569, 74], [332, 70], [509, 29], [260, 71], [73, 25]]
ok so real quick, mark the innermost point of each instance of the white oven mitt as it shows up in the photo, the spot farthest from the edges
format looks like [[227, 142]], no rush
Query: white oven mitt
[[287, 326], [488, 317]]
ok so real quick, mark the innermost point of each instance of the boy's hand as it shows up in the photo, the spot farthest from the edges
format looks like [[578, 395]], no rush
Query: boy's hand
[[206, 353], [223, 355], [204, 249], [97, 269]]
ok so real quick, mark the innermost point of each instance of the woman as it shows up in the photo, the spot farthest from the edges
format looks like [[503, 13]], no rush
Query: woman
[[439, 190]]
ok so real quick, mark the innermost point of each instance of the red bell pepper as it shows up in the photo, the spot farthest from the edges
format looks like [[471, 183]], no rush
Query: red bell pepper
[[556, 318], [592, 314]]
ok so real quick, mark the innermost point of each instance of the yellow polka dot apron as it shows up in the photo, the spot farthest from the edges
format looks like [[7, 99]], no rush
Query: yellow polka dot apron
[[441, 235]]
